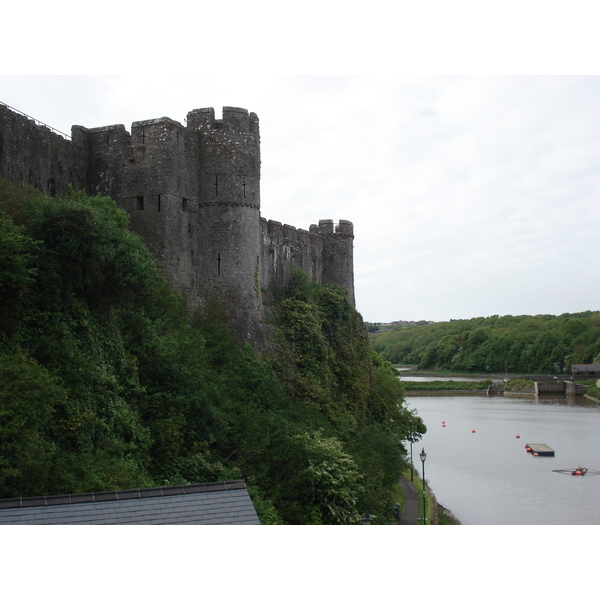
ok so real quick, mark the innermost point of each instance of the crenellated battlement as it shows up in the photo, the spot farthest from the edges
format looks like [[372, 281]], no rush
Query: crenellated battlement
[[234, 118], [193, 194], [329, 227], [345, 228]]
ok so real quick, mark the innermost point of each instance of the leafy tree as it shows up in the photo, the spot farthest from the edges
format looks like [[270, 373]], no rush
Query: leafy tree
[[17, 252], [323, 483], [28, 397]]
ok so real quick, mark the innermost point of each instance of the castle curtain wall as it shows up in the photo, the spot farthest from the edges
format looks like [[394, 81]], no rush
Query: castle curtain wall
[[325, 253], [193, 194], [37, 156]]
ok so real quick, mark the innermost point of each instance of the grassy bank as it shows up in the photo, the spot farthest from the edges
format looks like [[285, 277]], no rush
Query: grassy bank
[[444, 516], [413, 386], [593, 390], [520, 386]]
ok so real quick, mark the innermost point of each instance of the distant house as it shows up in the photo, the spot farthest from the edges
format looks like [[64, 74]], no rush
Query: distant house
[[221, 503], [585, 371]]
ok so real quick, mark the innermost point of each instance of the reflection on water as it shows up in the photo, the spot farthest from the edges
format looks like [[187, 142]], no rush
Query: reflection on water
[[487, 477]]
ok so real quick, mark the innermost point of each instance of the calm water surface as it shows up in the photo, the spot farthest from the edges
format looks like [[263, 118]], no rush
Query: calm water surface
[[488, 478]]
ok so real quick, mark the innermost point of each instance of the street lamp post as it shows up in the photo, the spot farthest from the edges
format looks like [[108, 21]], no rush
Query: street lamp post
[[423, 456], [410, 418]]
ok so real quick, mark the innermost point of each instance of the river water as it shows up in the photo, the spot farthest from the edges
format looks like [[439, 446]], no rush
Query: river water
[[488, 478]]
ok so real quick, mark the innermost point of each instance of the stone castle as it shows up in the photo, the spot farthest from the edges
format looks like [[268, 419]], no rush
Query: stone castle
[[193, 194]]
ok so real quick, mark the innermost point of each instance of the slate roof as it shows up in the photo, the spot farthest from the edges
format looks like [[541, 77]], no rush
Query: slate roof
[[221, 503]]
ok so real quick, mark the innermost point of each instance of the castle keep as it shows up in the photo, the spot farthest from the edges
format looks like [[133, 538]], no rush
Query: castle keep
[[193, 194]]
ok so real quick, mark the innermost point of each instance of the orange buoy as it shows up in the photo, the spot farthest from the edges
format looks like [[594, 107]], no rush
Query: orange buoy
[[535, 454], [518, 436], [444, 425], [443, 421], [472, 431]]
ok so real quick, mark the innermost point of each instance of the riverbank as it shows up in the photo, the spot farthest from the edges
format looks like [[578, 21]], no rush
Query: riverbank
[[445, 385], [440, 515], [450, 383], [447, 517], [412, 503]]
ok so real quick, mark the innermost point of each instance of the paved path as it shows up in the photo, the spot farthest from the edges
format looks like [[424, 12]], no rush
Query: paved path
[[410, 513]]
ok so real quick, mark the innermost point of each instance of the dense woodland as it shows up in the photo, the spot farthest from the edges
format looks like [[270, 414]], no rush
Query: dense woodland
[[542, 344], [108, 380]]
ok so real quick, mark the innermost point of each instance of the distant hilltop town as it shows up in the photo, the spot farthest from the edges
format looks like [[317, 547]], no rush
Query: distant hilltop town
[[193, 194]]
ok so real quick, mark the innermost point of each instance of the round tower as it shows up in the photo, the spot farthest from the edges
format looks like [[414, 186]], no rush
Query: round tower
[[228, 214]]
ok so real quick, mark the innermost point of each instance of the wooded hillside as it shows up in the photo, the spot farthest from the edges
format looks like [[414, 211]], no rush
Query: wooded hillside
[[109, 381], [542, 344]]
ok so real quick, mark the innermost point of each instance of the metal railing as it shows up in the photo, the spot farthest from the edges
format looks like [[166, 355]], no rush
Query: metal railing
[[68, 137]]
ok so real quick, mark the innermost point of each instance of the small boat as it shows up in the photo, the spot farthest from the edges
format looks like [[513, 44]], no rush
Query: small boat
[[578, 471]]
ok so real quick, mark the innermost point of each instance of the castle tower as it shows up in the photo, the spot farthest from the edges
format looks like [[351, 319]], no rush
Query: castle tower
[[337, 259], [228, 214], [103, 149], [148, 173], [159, 189]]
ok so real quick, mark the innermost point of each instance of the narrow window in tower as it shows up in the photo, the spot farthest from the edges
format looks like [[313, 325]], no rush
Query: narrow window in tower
[[218, 265], [51, 185], [244, 185], [139, 202], [216, 185], [184, 204], [143, 137], [158, 203]]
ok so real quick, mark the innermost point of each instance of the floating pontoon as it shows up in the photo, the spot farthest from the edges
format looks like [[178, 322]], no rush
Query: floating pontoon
[[539, 449]]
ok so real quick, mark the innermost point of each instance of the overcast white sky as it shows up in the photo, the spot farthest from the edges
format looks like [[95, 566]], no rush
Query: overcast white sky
[[471, 194]]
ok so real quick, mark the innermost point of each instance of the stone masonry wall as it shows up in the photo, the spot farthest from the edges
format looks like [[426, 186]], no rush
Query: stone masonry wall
[[36, 156], [325, 252], [193, 194]]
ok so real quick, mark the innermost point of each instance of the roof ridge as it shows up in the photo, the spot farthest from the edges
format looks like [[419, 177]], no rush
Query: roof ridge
[[174, 490]]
